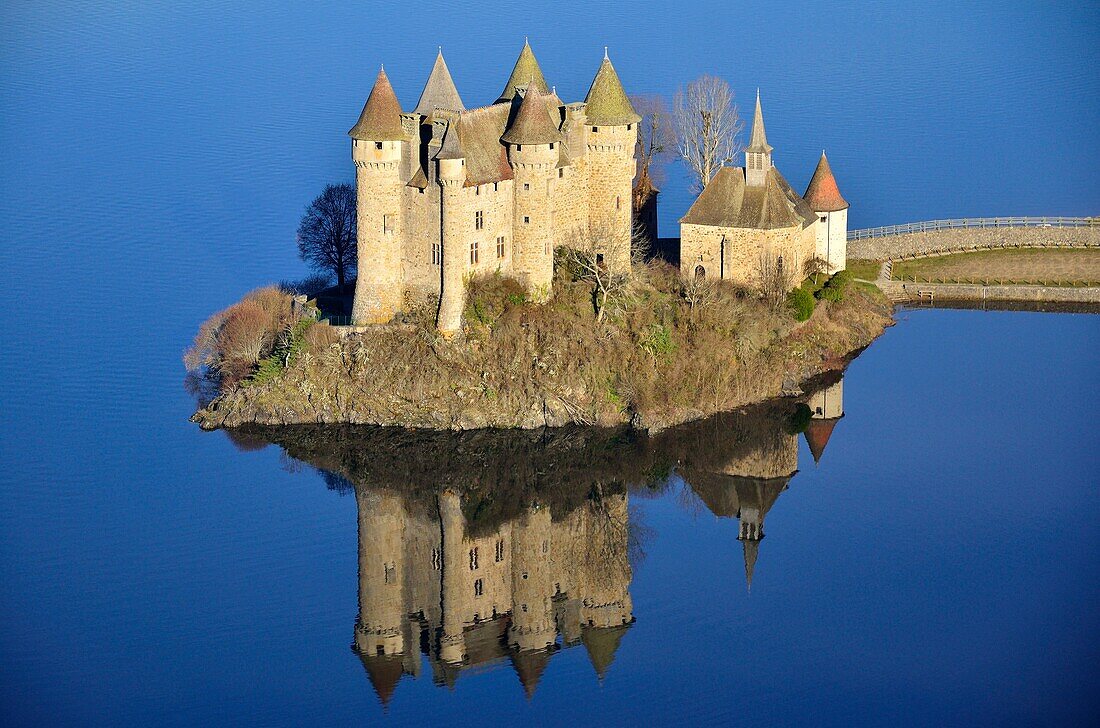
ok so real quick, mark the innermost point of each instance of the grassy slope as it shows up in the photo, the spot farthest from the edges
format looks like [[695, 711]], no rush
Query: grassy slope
[[654, 362], [1047, 267]]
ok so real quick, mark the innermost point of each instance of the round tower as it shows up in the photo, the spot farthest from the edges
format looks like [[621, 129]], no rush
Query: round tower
[[611, 132], [377, 147], [831, 234], [532, 625], [533, 142], [381, 574], [452, 643], [451, 175]]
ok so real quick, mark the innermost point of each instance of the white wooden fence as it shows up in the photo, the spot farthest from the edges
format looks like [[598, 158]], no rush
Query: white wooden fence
[[973, 222]]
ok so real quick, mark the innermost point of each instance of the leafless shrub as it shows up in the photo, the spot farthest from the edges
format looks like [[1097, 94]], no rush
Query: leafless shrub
[[606, 260], [772, 279]]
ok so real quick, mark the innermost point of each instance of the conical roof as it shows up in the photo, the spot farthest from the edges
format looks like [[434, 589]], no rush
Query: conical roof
[[758, 142], [601, 644], [381, 117], [525, 73], [384, 672], [607, 103], [439, 92], [752, 550], [532, 124], [529, 666], [817, 434], [452, 145], [822, 193]]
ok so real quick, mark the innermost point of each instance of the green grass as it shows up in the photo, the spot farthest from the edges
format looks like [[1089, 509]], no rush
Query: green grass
[[1052, 267], [864, 269]]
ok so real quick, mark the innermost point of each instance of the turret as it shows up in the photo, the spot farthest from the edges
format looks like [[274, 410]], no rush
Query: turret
[[758, 155], [826, 408], [532, 625], [378, 630], [823, 195], [611, 129], [452, 643], [451, 175], [533, 142], [377, 149]]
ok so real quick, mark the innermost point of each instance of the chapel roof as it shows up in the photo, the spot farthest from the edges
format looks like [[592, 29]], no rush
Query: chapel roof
[[607, 103], [822, 194], [380, 119], [532, 124], [727, 201], [439, 92], [526, 73]]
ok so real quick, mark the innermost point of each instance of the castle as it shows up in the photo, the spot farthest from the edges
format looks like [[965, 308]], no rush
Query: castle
[[749, 219], [444, 192]]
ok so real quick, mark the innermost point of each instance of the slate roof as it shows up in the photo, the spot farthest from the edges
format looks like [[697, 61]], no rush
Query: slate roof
[[822, 194], [439, 92], [601, 644], [380, 120], [385, 672], [817, 436], [486, 157], [607, 103], [532, 124], [526, 72], [728, 202]]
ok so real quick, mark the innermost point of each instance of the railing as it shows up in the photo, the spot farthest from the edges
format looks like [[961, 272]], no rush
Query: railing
[[973, 222]]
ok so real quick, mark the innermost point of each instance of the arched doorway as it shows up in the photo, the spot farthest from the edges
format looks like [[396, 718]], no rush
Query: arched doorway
[[700, 272]]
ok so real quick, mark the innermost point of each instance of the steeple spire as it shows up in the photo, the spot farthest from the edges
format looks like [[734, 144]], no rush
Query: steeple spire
[[752, 550], [526, 72], [758, 155], [439, 92]]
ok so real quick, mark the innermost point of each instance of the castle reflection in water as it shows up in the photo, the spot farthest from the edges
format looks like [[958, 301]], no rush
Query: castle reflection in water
[[484, 547]]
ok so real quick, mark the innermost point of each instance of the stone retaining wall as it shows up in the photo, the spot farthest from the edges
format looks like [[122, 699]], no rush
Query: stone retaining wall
[[910, 244], [970, 292]]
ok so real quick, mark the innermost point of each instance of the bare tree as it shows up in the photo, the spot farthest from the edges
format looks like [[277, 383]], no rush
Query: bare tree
[[326, 234], [605, 259], [699, 291], [708, 126], [655, 136], [814, 267], [773, 279]]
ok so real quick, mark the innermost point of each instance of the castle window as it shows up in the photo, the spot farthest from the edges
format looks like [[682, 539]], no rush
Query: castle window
[[599, 260], [473, 261], [479, 220], [519, 147], [618, 202], [546, 547], [494, 187], [526, 186], [391, 572], [378, 145], [477, 189], [546, 247], [500, 543], [822, 218], [551, 145], [479, 588], [437, 559], [700, 272], [628, 127], [437, 254], [473, 558], [525, 575], [561, 173], [523, 607], [526, 220], [595, 129], [500, 254], [387, 224]]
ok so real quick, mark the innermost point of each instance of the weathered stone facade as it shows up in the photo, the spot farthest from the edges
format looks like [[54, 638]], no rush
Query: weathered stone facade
[[445, 192], [749, 219]]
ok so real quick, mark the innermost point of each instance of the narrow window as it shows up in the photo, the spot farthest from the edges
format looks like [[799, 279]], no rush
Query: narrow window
[[420, 190], [477, 189], [387, 224], [500, 254], [561, 173], [700, 272], [473, 261], [779, 265], [479, 588], [500, 543], [519, 147], [437, 253], [618, 202], [494, 187], [479, 220], [526, 219], [378, 145], [599, 260], [551, 145], [523, 607], [628, 127], [473, 558], [437, 559], [822, 218], [595, 129], [391, 572], [526, 186]]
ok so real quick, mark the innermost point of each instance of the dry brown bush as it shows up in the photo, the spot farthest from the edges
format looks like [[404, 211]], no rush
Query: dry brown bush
[[319, 337]]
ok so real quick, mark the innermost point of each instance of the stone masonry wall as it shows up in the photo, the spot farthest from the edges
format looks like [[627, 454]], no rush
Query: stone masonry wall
[[702, 245], [898, 246]]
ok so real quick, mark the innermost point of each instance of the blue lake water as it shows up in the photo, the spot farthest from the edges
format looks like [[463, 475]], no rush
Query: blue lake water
[[939, 564]]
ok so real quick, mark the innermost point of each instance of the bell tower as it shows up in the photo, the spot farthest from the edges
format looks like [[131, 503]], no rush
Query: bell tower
[[758, 155]]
